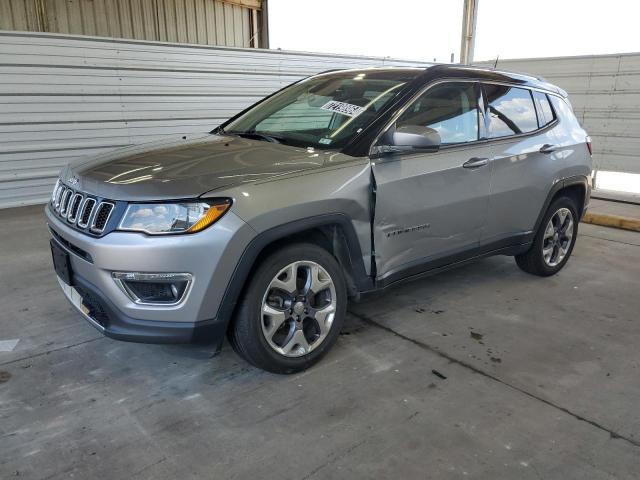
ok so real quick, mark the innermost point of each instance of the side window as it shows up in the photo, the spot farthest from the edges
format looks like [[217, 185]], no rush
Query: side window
[[511, 110], [545, 112], [450, 109]]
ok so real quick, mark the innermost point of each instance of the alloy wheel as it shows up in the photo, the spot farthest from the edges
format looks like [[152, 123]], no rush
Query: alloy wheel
[[557, 237], [298, 308]]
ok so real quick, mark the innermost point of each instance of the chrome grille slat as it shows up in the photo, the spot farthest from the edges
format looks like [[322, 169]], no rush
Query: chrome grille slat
[[55, 191], [100, 218], [85, 212], [74, 207], [59, 193], [64, 201]]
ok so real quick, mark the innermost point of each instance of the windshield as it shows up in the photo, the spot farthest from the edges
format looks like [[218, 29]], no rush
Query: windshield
[[324, 111]]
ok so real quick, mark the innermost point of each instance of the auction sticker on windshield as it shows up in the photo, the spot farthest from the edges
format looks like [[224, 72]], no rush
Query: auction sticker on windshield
[[343, 108]]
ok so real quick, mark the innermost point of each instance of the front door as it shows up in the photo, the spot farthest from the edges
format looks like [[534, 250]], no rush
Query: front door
[[431, 208]]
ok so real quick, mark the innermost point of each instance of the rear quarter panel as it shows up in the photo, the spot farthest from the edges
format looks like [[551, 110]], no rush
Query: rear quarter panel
[[571, 141], [523, 177]]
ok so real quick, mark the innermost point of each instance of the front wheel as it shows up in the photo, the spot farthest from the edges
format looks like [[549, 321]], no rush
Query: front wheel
[[554, 241], [292, 310]]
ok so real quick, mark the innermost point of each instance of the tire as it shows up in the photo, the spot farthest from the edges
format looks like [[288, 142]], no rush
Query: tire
[[280, 328], [534, 260]]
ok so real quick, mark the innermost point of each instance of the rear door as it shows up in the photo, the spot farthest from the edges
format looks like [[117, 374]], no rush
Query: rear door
[[524, 163], [429, 206]]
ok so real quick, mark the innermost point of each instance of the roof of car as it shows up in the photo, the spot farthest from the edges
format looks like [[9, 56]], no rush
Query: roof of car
[[436, 70]]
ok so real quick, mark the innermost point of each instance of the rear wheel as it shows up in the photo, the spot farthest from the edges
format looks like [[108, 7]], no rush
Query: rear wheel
[[554, 241], [292, 310]]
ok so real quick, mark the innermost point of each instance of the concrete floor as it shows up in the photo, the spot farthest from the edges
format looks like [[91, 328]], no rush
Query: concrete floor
[[542, 381]]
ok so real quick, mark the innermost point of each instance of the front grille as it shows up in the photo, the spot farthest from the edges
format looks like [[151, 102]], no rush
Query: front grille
[[84, 212], [64, 202], [57, 196], [103, 212], [74, 206]]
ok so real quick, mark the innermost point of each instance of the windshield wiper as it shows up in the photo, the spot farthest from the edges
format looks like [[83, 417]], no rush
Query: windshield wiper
[[258, 136]]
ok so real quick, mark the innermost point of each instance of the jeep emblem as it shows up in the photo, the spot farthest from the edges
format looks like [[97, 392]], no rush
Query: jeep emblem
[[73, 181]]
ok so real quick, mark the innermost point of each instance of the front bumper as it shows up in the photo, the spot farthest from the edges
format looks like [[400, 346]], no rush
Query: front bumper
[[209, 256], [100, 312]]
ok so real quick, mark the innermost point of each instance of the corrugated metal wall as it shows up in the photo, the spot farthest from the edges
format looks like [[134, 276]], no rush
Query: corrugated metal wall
[[63, 97], [230, 23], [605, 93]]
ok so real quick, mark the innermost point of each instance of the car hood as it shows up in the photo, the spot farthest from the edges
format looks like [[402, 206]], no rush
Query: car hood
[[187, 168]]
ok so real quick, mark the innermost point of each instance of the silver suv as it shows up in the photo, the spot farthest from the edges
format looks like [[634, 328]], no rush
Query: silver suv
[[340, 185]]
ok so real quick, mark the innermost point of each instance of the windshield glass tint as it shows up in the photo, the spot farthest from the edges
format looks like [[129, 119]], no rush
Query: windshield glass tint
[[323, 112]]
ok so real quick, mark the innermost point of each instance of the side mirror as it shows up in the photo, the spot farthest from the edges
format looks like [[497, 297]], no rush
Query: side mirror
[[416, 137], [408, 139]]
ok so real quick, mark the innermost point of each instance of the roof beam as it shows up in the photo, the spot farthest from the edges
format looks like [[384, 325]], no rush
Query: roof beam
[[255, 4]]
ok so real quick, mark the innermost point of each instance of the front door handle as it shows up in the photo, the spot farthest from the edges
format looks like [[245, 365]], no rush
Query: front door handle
[[547, 148], [475, 162]]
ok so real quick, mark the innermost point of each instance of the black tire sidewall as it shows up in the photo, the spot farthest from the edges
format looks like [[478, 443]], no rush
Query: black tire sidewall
[[258, 348]]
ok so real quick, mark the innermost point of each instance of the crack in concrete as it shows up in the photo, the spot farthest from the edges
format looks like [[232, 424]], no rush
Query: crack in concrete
[[462, 363], [36, 355], [147, 467], [332, 458]]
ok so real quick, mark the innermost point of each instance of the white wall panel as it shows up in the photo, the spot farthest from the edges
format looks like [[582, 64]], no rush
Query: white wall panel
[[63, 97], [605, 93], [181, 21]]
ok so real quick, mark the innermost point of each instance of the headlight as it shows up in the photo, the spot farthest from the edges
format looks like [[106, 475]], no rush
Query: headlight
[[182, 217]]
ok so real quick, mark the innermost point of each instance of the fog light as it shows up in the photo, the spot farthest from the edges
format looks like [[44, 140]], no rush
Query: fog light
[[154, 288]]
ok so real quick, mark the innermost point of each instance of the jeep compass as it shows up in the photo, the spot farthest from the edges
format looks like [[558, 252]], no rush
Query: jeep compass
[[337, 186]]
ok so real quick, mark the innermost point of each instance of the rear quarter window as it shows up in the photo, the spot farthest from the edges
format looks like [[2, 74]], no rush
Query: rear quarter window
[[511, 110], [545, 112]]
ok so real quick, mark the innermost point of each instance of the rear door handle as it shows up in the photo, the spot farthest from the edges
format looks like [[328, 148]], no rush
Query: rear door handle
[[547, 148], [475, 162]]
